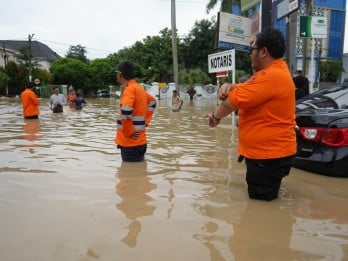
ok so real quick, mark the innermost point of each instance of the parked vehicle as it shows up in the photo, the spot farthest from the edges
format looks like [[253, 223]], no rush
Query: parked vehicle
[[103, 94], [322, 132]]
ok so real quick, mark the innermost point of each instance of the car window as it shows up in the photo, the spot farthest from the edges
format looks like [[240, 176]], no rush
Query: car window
[[332, 98]]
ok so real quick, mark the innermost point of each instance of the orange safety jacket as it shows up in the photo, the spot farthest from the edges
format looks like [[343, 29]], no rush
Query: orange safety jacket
[[71, 99], [30, 103], [136, 110], [266, 109]]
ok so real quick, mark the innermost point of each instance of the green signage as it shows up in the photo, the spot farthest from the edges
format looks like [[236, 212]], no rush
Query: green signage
[[313, 26]]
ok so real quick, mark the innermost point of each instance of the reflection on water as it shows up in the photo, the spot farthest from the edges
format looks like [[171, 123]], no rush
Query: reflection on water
[[132, 188], [65, 195]]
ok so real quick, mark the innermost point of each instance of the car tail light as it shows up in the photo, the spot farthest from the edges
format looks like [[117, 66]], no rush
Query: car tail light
[[312, 134], [335, 137]]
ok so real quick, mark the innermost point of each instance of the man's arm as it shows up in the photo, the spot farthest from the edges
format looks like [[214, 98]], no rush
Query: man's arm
[[224, 108]]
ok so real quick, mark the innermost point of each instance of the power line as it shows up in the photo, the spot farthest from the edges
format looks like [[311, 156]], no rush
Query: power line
[[87, 48]]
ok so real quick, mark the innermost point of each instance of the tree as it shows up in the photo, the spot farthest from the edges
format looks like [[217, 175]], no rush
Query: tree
[[198, 44], [44, 76], [71, 72], [77, 52], [3, 81], [225, 5], [103, 72], [152, 57], [192, 77], [330, 70], [23, 56], [17, 77]]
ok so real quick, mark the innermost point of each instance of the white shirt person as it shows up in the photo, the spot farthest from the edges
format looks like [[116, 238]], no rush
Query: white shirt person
[[57, 101]]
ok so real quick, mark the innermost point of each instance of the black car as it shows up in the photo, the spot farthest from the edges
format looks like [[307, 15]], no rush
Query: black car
[[322, 132]]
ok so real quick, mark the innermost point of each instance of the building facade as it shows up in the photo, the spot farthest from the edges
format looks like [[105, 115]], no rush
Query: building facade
[[300, 49], [302, 53]]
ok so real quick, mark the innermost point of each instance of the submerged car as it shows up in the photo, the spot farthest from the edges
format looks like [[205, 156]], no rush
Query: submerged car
[[322, 132], [103, 94]]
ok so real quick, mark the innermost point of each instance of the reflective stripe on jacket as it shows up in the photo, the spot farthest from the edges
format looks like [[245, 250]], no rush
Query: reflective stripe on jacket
[[136, 111]]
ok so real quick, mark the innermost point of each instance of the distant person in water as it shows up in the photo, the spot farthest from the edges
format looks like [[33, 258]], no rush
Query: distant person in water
[[57, 101], [176, 101], [71, 98], [30, 102], [79, 102]]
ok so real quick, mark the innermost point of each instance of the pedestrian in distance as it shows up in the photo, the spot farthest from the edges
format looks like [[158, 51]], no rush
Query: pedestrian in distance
[[301, 84], [57, 101], [176, 102], [71, 98], [136, 111], [30, 102], [79, 102], [266, 107]]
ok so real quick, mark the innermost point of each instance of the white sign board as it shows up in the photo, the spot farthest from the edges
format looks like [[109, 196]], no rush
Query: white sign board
[[285, 7], [222, 61]]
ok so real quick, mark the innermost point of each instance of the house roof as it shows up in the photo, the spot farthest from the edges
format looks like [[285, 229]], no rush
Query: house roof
[[38, 50]]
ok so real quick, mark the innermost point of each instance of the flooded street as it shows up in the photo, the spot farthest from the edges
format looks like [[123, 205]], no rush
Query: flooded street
[[65, 195]]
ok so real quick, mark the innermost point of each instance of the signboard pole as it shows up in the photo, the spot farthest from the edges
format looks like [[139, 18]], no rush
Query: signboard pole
[[311, 74]]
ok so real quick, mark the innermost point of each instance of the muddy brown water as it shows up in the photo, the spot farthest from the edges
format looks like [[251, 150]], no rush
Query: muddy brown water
[[65, 195]]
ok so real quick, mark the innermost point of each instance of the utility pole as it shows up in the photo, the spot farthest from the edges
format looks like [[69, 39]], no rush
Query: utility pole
[[30, 37], [174, 47], [5, 64], [5, 56], [305, 40]]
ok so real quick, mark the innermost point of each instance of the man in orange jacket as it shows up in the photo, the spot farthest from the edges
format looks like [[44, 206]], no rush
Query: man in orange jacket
[[30, 102], [266, 109], [136, 111]]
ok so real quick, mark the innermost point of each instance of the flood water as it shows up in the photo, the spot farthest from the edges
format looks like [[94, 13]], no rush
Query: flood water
[[65, 195]]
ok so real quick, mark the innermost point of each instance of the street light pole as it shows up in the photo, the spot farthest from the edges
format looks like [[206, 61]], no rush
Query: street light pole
[[30, 37], [174, 47]]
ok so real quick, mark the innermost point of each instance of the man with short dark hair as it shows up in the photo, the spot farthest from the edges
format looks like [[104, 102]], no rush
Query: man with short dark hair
[[266, 109], [136, 110], [301, 84], [30, 102], [57, 101]]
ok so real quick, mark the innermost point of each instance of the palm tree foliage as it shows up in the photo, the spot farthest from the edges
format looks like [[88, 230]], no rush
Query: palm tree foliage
[[225, 5]]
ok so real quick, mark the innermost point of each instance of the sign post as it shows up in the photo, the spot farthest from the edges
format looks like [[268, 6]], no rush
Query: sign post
[[222, 61], [313, 27]]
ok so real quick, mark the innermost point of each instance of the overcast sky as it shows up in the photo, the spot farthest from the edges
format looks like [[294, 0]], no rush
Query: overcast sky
[[102, 26]]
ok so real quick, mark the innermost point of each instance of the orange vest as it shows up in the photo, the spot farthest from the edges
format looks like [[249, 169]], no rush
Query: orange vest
[[266, 109], [71, 99], [136, 111], [30, 103]]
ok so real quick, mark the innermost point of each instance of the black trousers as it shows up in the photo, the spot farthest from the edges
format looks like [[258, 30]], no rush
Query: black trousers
[[133, 154], [265, 176], [32, 117]]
